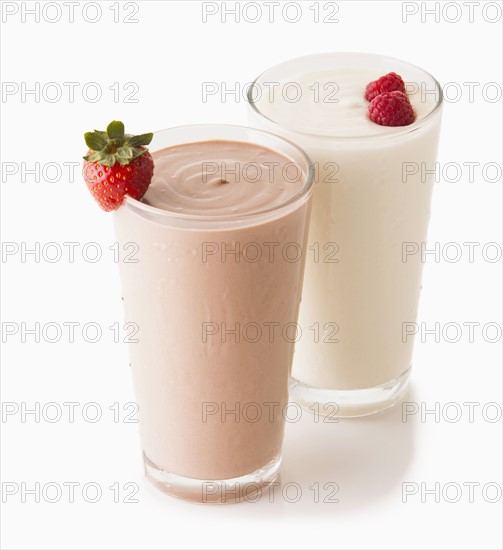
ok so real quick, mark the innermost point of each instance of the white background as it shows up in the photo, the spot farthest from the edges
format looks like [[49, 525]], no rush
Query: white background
[[169, 53]]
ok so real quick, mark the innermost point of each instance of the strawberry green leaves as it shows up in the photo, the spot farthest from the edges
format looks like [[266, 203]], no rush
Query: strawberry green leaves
[[95, 140], [143, 139], [114, 145], [115, 130]]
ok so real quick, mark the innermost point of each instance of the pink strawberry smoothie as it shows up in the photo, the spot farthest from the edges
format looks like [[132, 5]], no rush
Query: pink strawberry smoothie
[[210, 306]]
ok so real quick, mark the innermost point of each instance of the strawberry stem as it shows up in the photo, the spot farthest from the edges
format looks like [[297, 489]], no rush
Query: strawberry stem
[[115, 145]]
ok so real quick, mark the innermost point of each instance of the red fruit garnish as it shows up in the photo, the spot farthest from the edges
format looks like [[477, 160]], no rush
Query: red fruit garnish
[[390, 82], [117, 164], [391, 109]]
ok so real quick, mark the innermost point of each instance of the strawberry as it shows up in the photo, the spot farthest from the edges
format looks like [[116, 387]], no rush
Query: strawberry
[[117, 164]]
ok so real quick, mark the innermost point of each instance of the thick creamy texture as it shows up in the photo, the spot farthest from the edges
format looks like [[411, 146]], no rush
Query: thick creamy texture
[[332, 103], [370, 197], [221, 177], [178, 297]]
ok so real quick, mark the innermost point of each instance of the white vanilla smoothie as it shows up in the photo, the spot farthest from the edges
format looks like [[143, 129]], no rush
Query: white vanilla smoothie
[[202, 293], [358, 292]]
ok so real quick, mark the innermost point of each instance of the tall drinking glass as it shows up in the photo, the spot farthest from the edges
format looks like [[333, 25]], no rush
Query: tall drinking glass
[[220, 238], [371, 207]]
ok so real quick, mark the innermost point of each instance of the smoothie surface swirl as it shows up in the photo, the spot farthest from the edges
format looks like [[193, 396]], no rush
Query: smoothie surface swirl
[[332, 102], [222, 178]]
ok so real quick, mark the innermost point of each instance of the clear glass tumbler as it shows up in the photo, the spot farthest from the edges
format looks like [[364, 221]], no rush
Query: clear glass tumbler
[[371, 206], [210, 378]]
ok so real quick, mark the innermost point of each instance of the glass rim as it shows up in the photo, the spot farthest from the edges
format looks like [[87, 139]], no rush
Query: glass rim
[[406, 129], [303, 192]]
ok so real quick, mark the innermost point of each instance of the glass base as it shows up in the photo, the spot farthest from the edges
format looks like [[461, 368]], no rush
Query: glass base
[[331, 403], [248, 487]]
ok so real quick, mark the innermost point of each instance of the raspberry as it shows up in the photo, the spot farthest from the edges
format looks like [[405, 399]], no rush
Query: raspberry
[[390, 82], [391, 109]]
